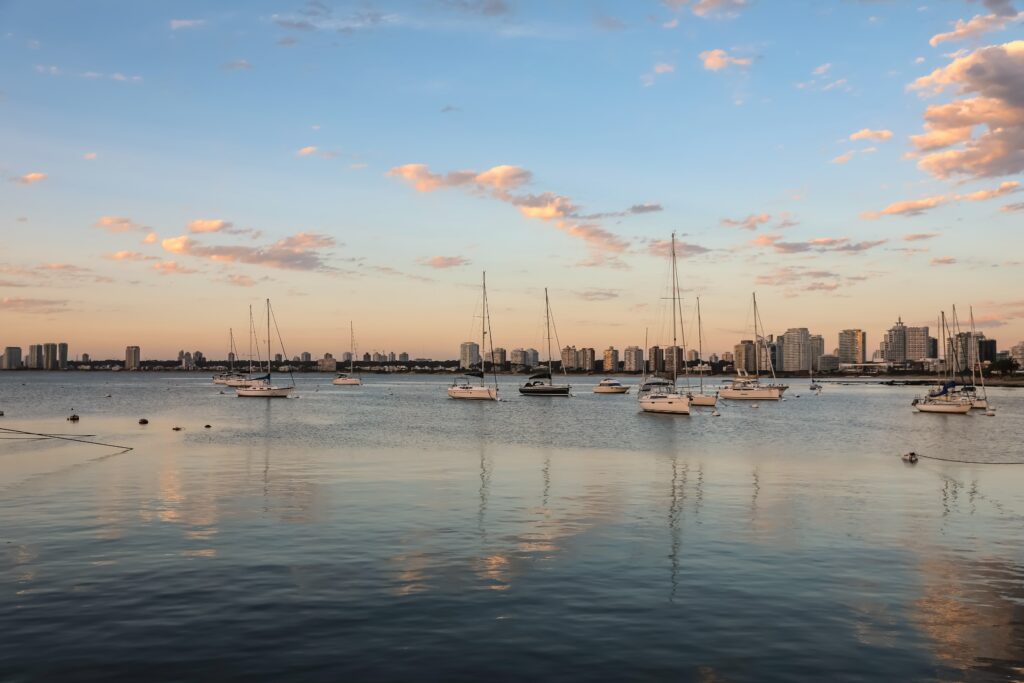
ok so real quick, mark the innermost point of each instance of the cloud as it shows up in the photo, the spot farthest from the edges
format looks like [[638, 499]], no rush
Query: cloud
[[323, 21], [869, 134], [751, 222], [943, 261], [239, 280], [39, 306], [1018, 206], [607, 23], [49, 70], [671, 23], [842, 158], [500, 182], [150, 238], [487, 8], [718, 9], [916, 207], [31, 178], [130, 256], [177, 24], [208, 225], [445, 261], [918, 236], [949, 145], [297, 252], [306, 151], [663, 249], [90, 156], [792, 275], [115, 224], [449, 108], [822, 70], [238, 65], [659, 69], [598, 294], [718, 59], [172, 268], [976, 26], [820, 245]]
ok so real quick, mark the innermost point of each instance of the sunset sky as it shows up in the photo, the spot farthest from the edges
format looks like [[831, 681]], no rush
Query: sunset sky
[[164, 165]]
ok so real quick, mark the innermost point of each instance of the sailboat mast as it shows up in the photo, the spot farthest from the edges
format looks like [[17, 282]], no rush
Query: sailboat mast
[[675, 295], [981, 370], [252, 331], [547, 319], [757, 346], [700, 346], [352, 347], [483, 330], [231, 350], [268, 338]]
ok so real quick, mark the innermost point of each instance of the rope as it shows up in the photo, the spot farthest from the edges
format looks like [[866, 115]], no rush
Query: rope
[[124, 449], [968, 462]]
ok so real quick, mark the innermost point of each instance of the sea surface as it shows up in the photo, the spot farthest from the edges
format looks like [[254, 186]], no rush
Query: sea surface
[[387, 533]]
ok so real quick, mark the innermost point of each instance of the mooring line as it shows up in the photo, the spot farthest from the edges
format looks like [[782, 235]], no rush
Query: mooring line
[[124, 449]]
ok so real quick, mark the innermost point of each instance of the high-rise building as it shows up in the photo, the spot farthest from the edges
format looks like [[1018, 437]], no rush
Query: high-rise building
[[655, 360], [633, 359], [674, 360], [586, 359], [49, 356], [817, 349], [35, 357], [986, 349], [796, 355], [469, 354], [278, 358], [345, 357], [568, 357], [498, 358], [12, 358], [728, 357], [853, 346], [770, 353], [611, 359], [366, 358], [86, 358], [713, 358], [917, 343], [62, 355], [517, 357], [745, 357], [132, 358], [966, 355], [307, 357], [894, 343], [392, 357], [692, 356], [532, 357], [1017, 354], [403, 357]]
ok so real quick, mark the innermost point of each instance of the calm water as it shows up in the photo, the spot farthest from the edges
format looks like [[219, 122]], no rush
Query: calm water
[[387, 533]]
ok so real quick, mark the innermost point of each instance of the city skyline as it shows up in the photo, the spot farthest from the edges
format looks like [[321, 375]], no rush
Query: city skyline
[[166, 168]]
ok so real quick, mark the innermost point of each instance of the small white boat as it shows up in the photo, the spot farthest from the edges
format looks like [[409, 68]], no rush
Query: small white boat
[[699, 397], [263, 387], [750, 389], [611, 386], [661, 396], [240, 381], [462, 387], [349, 379], [225, 378], [933, 405], [703, 400]]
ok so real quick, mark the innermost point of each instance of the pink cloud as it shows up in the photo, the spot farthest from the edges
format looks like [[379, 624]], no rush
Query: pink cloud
[[445, 261], [943, 261], [31, 178]]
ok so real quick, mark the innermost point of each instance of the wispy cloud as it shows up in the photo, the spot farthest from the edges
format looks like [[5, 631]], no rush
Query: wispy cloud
[[441, 262], [36, 306], [916, 207], [30, 178], [918, 236], [598, 294], [978, 25], [173, 268], [238, 65], [943, 261], [869, 134], [178, 24], [718, 59], [302, 251], [306, 151], [751, 222]]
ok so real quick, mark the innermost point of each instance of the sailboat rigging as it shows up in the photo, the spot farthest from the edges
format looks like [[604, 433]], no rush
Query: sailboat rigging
[[744, 387], [542, 383], [463, 387], [349, 379], [699, 398], [226, 378], [263, 387]]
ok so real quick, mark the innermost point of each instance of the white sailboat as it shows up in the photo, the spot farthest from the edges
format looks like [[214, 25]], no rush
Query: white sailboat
[[226, 378], [946, 399], [746, 388], [699, 398], [463, 387], [349, 379], [263, 387], [658, 395]]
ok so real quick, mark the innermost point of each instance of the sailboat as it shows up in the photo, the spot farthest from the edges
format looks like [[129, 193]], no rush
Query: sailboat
[[540, 383], [226, 377], [749, 388], [699, 398], [463, 387], [658, 395], [814, 386], [263, 387], [946, 399], [349, 379]]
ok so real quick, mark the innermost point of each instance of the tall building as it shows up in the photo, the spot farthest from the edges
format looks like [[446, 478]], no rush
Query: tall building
[[62, 356], [894, 343], [307, 357], [498, 358], [853, 346], [132, 358], [469, 355], [964, 354], [633, 359], [728, 357], [12, 358], [817, 350], [692, 356], [674, 360], [796, 355], [1017, 354], [278, 358], [403, 357], [568, 357], [655, 360], [392, 357], [345, 357], [917, 343], [49, 356], [986, 349], [517, 357], [586, 359], [86, 359], [745, 356], [35, 357], [611, 359], [532, 357]]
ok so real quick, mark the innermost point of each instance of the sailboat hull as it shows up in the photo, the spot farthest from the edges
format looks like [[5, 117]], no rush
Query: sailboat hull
[[948, 407], [611, 390], [752, 393], [240, 382], [347, 381], [705, 400], [264, 392], [544, 390], [672, 404], [473, 393]]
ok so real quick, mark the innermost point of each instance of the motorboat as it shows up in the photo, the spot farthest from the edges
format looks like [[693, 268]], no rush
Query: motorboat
[[611, 386]]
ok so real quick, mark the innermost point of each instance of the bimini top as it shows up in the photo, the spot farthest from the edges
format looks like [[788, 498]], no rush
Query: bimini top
[[653, 382], [613, 383], [473, 373], [544, 374]]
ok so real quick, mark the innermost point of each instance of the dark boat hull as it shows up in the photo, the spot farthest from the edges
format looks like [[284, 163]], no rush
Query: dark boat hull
[[545, 390]]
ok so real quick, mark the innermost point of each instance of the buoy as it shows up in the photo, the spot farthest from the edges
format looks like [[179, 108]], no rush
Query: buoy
[[715, 413], [988, 413], [73, 418], [1, 413], [206, 426], [910, 457], [177, 429], [143, 421], [753, 405]]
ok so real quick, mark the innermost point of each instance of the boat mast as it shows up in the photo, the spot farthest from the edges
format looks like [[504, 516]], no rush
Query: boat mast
[[757, 346], [483, 331], [547, 319], [252, 331], [352, 348], [700, 346], [675, 295], [231, 350], [981, 370], [268, 340]]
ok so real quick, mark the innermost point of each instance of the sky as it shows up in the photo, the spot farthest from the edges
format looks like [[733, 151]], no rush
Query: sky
[[165, 165]]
